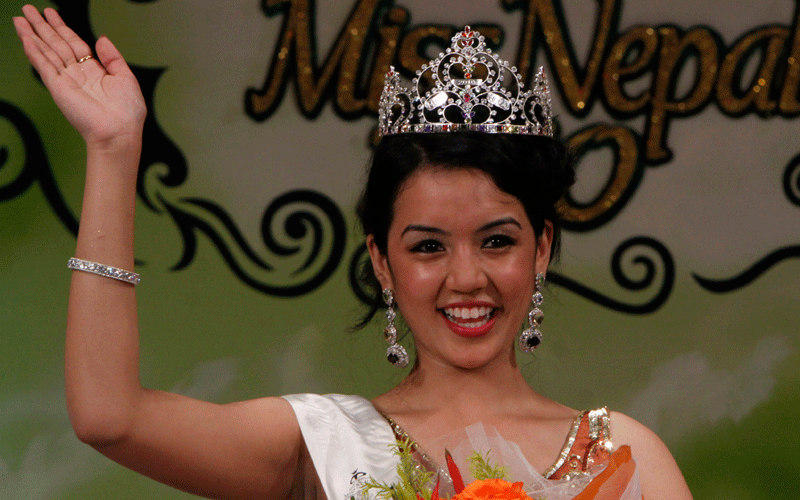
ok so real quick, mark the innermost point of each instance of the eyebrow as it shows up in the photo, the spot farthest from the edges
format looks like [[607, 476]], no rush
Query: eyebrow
[[485, 227], [422, 229], [500, 222]]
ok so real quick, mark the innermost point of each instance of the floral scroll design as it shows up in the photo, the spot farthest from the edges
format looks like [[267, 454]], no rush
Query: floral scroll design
[[34, 168], [791, 188], [304, 231], [640, 252], [791, 181]]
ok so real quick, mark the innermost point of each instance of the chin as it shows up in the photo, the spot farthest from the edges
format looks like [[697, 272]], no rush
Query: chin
[[479, 360]]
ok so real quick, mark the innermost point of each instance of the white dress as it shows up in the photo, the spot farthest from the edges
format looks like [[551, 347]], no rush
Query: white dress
[[349, 441]]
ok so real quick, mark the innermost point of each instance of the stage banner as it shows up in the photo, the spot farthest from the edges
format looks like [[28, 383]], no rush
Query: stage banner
[[675, 299]]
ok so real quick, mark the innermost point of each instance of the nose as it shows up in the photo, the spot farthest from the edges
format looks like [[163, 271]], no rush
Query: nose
[[466, 273]]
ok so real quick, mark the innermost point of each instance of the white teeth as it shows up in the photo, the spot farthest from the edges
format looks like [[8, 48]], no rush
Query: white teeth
[[484, 313]]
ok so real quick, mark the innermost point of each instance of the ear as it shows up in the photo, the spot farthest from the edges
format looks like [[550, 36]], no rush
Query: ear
[[543, 248], [380, 264]]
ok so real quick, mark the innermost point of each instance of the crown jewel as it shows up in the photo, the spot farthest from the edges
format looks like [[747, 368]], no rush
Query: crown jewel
[[466, 88]]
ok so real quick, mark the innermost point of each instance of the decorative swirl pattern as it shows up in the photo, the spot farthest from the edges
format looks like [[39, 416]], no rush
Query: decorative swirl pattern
[[791, 180], [357, 261], [751, 274], [314, 226], [35, 169], [647, 281], [791, 187], [157, 148], [295, 226], [17, 182], [312, 239], [317, 234]]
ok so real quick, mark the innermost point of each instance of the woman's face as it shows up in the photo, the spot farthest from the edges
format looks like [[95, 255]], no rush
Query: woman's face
[[461, 258]]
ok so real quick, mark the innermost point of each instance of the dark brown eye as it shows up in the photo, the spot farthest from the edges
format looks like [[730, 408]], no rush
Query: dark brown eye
[[427, 246], [498, 241]]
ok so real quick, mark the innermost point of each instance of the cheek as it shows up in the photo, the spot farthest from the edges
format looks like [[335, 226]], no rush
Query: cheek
[[419, 278], [417, 287], [516, 277]]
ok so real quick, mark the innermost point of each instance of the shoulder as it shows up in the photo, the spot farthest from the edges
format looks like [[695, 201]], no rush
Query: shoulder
[[659, 474], [344, 435], [626, 430], [322, 413], [321, 403]]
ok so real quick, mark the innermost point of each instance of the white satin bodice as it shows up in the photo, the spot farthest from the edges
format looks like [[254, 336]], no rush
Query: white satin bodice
[[348, 441]]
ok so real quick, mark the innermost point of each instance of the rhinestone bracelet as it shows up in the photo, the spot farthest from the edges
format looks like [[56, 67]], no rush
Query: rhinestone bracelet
[[102, 270]]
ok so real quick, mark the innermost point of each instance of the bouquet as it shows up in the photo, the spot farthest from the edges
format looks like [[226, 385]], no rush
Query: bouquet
[[616, 479]]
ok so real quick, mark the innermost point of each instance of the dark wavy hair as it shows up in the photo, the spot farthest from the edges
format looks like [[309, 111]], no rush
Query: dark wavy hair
[[536, 170]]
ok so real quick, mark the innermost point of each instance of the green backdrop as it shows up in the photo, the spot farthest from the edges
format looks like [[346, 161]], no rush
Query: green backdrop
[[687, 113]]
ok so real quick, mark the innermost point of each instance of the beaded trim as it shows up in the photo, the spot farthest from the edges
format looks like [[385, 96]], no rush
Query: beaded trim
[[424, 459], [598, 429], [562, 457], [103, 270], [599, 432]]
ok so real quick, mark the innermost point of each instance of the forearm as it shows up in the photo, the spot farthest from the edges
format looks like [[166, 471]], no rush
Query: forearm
[[102, 346], [219, 450]]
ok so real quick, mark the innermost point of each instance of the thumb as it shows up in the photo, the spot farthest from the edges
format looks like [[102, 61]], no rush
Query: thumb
[[110, 57]]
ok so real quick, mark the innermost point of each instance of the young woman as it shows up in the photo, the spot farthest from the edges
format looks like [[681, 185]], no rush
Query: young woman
[[460, 228]]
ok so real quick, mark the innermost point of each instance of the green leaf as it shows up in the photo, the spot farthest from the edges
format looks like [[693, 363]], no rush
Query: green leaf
[[413, 478], [482, 469]]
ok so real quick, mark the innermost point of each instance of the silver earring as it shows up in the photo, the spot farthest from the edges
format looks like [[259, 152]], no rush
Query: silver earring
[[531, 337], [396, 354]]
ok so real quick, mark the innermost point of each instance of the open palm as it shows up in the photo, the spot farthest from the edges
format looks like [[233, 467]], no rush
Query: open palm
[[100, 97]]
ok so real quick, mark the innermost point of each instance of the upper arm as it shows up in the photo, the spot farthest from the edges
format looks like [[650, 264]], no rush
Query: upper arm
[[250, 449], [660, 476]]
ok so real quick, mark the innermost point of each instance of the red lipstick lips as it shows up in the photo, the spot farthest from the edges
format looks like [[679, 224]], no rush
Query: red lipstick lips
[[471, 319]]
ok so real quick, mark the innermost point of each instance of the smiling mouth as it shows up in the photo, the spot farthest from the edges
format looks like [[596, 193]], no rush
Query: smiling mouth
[[469, 317]]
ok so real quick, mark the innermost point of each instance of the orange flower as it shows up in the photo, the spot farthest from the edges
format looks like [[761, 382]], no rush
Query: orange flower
[[492, 489]]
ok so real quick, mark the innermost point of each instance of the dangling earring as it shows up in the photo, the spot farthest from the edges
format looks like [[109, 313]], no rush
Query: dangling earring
[[532, 336], [396, 354]]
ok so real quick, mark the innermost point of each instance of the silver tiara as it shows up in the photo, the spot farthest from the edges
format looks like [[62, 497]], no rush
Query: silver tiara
[[466, 88]]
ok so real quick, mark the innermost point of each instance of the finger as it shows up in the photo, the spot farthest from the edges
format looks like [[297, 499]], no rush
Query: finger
[[110, 57], [34, 19], [52, 55], [47, 71], [79, 48], [36, 50], [48, 35]]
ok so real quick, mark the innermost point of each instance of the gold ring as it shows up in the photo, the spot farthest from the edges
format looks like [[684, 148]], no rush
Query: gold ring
[[85, 58]]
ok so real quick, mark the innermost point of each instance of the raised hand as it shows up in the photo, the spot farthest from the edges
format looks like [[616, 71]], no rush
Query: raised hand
[[99, 96]]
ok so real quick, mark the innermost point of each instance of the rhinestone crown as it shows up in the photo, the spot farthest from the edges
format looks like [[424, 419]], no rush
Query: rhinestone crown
[[466, 88]]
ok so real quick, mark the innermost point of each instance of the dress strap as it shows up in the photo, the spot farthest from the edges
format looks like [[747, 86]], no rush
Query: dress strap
[[588, 443], [422, 458]]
